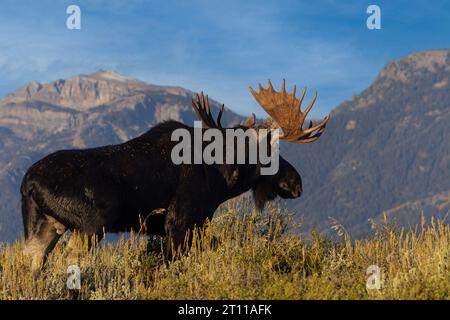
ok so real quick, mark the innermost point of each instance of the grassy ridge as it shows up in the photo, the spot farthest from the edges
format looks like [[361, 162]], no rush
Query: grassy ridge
[[252, 259]]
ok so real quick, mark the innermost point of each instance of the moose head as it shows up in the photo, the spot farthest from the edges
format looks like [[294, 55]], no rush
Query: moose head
[[284, 110]]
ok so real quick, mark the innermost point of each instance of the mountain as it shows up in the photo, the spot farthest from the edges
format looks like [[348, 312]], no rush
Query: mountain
[[82, 111], [385, 151]]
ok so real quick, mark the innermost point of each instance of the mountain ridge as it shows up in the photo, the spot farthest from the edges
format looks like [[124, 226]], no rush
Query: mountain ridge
[[86, 91], [384, 151], [386, 146]]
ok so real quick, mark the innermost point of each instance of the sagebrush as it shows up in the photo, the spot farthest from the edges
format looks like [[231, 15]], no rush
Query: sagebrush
[[241, 255]]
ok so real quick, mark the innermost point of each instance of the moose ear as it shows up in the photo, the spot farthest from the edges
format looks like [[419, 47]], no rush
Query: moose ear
[[250, 121]]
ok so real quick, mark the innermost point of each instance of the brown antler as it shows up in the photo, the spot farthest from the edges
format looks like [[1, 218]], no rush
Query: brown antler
[[201, 108], [284, 108]]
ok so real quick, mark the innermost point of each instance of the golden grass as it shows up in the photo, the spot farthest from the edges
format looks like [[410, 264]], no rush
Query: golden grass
[[252, 259]]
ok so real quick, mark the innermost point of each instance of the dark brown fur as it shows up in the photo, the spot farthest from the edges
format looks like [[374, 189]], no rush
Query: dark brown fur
[[114, 188]]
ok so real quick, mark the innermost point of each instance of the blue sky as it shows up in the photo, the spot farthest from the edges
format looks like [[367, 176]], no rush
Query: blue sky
[[220, 47]]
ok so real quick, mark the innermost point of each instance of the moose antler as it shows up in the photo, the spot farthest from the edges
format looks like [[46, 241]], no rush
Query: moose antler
[[284, 108], [201, 108]]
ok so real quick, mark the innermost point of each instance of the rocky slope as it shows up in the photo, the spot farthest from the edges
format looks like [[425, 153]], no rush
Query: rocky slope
[[386, 150]]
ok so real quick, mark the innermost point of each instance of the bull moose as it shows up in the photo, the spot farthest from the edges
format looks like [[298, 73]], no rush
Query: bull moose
[[111, 188]]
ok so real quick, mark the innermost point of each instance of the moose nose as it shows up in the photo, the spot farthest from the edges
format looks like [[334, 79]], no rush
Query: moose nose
[[298, 191]]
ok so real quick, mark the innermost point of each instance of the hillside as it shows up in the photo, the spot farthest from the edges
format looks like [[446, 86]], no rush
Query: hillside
[[386, 150], [255, 260]]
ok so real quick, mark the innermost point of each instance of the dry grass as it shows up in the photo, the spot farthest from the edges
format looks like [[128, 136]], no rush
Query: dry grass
[[253, 259]]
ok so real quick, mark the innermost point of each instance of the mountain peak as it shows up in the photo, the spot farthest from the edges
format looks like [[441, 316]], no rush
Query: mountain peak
[[424, 73], [108, 75], [80, 92], [409, 67]]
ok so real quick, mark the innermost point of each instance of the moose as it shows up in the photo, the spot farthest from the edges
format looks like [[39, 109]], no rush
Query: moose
[[113, 188]]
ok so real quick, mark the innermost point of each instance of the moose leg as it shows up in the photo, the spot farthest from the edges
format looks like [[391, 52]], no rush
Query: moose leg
[[75, 245], [89, 234], [175, 229], [41, 232], [42, 240], [72, 248], [95, 222], [186, 212]]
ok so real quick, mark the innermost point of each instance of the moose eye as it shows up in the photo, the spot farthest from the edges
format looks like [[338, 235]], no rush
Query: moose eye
[[284, 185]]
